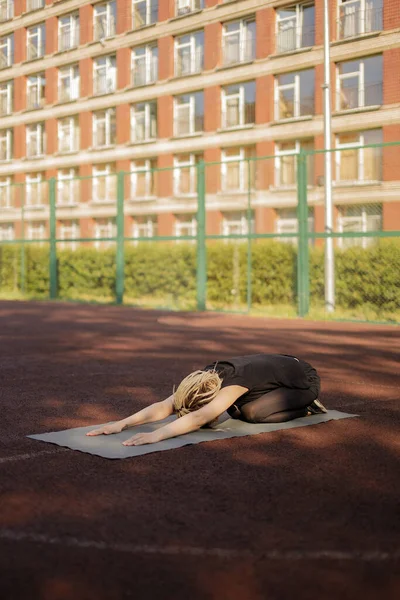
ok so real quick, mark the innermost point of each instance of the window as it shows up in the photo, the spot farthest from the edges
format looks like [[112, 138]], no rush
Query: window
[[358, 218], [6, 231], [6, 10], [238, 104], [69, 230], [104, 228], [294, 94], [68, 32], [35, 140], [295, 27], [6, 98], [145, 12], [237, 173], [236, 223], [34, 191], [286, 162], [104, 184], [143, 121], [67, 187], [104, 128], [184, 7], [189, 113], [6, 51], [185, 176], [34, 4], [105, 18], [36, 231], [68, 83], [189, 54], [359, 83], [239, 41], [6, 139], [144, 65], [359, 16], [5, 192], [35, 91], [144, 226], [143, 179], [355, 163], [105, 75], [287, 222], [36, 41], [68, 134], [185, 225]]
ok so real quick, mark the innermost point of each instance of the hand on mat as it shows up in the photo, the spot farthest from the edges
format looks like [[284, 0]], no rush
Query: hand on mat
[[107, 429], [141, 438]]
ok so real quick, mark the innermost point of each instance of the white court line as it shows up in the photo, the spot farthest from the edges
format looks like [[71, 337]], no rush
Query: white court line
[[6, 459], [371, 556]]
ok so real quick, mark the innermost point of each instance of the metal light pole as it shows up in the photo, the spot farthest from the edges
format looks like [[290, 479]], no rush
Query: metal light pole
[[329, 254]]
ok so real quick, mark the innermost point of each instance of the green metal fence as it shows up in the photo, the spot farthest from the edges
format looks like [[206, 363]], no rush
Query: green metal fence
[[245, 234]]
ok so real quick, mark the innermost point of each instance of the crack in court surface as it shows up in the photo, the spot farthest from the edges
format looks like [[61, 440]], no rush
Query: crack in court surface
[[126, 548]]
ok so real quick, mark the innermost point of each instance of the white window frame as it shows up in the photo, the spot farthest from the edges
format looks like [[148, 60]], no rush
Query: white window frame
[[144, 229], [278, 154], [6, 10], [180, 226], [146, 115], [104, 118], [360, 161], [34, 5], [298, 19], [36, 31], [69, 127], [148, 169], [110, 74], [360, 75], [5, 192], [70, 39], [150, 61], [106, 230], [149, 20], [190, 107], [6, 232], [242, 34], [185, 7], [108, 172], [241, 96], [362, 220], [104, 12], [38, 83], [37, 132], [71, 73], [180, 164], [35, 228], [291, 225], [358, 14], [196, 59], [6, 51], [241, 223], [242, 165], [6, 136], [37, 181], [67, 180], [69, 232], [6, 98]]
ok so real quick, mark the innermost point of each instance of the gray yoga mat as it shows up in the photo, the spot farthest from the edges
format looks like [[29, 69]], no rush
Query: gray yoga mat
[[110, 446]]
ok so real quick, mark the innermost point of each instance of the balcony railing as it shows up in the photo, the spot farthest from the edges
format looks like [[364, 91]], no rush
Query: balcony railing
[[34, 4], [293, 38], [6, 10], [68, 39], [236, 51], [356, 97], [356, 18]]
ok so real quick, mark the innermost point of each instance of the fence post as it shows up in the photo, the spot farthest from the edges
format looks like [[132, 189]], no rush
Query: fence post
[[120, 253], [303, 288], [53, 235], [201, 238]]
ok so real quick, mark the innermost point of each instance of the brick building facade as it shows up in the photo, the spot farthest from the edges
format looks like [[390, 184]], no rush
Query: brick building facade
[[91, 89]]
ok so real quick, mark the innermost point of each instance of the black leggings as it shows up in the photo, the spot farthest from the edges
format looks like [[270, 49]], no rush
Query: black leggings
[[282, 404]]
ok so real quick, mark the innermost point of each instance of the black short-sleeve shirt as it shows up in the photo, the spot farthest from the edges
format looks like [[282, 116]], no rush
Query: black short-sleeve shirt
[[262, 373]]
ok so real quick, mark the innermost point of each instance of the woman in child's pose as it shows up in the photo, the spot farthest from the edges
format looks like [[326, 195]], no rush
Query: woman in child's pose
[[258, 388]]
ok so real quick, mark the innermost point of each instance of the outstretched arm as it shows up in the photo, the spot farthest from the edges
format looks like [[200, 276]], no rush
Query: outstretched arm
[[154, 412], [192, 421]]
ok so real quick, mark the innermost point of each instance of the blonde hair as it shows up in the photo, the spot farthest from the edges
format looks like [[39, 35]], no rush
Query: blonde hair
[[195, 391]]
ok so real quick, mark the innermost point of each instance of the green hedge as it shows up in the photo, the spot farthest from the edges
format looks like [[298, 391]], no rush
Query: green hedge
[[364, 277]]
